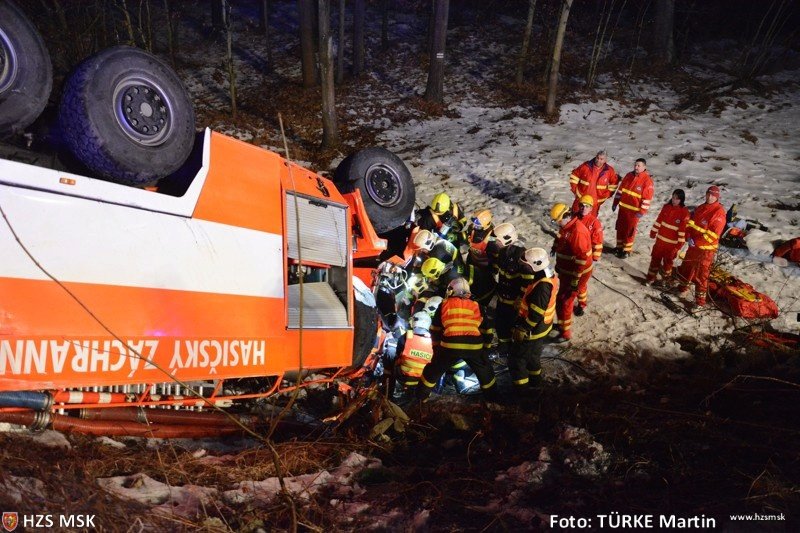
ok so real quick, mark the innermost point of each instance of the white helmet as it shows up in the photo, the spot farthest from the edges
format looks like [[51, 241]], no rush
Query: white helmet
[[459, 288], [506, 233], [537, 258], [424, 240], [432, 304], [421, 320]]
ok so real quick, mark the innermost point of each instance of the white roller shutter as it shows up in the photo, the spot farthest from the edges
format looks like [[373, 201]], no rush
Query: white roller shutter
[[323, 231], [321, 309]]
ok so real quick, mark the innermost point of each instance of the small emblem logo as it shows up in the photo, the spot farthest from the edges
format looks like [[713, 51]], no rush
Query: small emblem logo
[[10, 521]]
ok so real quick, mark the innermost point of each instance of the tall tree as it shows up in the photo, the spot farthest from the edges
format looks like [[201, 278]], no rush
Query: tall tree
[[340, 49], [384, 25], [526, 41], [229, 55], [434, 91], [218, 15], [359, 31], [552, 86], [307, 56], [663, 40], [330, 130], [265, 27]]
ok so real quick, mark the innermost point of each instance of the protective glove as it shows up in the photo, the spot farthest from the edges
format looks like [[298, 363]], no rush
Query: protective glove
[[690, 241], [652, 234], [614, 206], [574, 284]]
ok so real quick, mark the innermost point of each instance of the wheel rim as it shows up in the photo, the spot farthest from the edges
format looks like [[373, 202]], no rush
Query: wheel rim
[[384, 185], [143, 110], [8, 63]]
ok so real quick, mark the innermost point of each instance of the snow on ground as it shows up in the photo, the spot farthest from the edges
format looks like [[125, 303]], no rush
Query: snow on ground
[[518, 167]]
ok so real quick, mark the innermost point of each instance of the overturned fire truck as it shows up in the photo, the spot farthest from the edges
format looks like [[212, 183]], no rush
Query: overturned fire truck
[[232, 269]]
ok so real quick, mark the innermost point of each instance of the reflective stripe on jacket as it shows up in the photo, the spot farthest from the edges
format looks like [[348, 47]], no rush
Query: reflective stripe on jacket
[[574, 249], [595, 228], [537, 308], [461, 320], [670, 226]]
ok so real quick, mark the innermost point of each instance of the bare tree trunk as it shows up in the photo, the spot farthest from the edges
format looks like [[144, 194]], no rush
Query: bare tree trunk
[[265, 24], [170, 33], [128, 24], [526, 42], [218, 22], [307, 57], [384, 25], [359, 30], [663, 40], [431, 23], [340, 54], [229, 55], [434, 91], [552, 86], [330, 130]]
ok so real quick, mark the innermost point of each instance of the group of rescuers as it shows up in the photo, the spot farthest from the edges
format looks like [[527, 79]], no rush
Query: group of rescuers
[[469, 280]]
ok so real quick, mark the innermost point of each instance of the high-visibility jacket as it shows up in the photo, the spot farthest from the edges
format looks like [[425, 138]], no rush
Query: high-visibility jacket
[[635, 192], [481, 283], [449, 226], [537, 308], [595, 228], [706, 225], [573, 249], [597, 181], [460, 320], [417, 352], [478, 242], [670, 226]]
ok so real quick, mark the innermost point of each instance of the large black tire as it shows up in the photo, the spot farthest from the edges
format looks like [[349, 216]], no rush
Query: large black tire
[[126, 115], [365, 323], [385, 184], [26, 75]]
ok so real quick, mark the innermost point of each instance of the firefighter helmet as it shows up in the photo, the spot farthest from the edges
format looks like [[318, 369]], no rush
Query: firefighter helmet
[[558, 211], [537, 258], [458, 288], [424, 240], [433, 268], [421, 320], [440, 203], [417, 284], [506, 233], [586, 199], [482, 219], [432, 304]]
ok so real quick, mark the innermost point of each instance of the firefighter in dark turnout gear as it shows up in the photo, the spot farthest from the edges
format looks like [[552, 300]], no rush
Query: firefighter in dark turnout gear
[[512, 277], [536, 310], [444, 218], [459, 319], [479, 236]]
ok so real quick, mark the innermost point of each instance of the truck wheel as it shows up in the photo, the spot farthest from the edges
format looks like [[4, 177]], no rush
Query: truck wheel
[[365, 322], [385, 184], [126, 115], [26, 75]]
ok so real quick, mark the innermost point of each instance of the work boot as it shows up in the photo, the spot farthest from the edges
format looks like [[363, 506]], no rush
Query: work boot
[[683, 290], [564, 337], [578, 311]]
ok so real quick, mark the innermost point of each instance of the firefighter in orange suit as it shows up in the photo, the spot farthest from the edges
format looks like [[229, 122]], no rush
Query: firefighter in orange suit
[[536, 311], [633, 199], [595, 227], [573, 250], [596, 178], [459, 320], [415, 350], [669, 231], [702, 234]]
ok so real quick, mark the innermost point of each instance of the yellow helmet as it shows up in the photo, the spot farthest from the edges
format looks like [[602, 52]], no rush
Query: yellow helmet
[[440, 203], [424, 240], [459, 288], [587, 199], [558, 211], [433, 268], [506, 233], [482, 219]]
